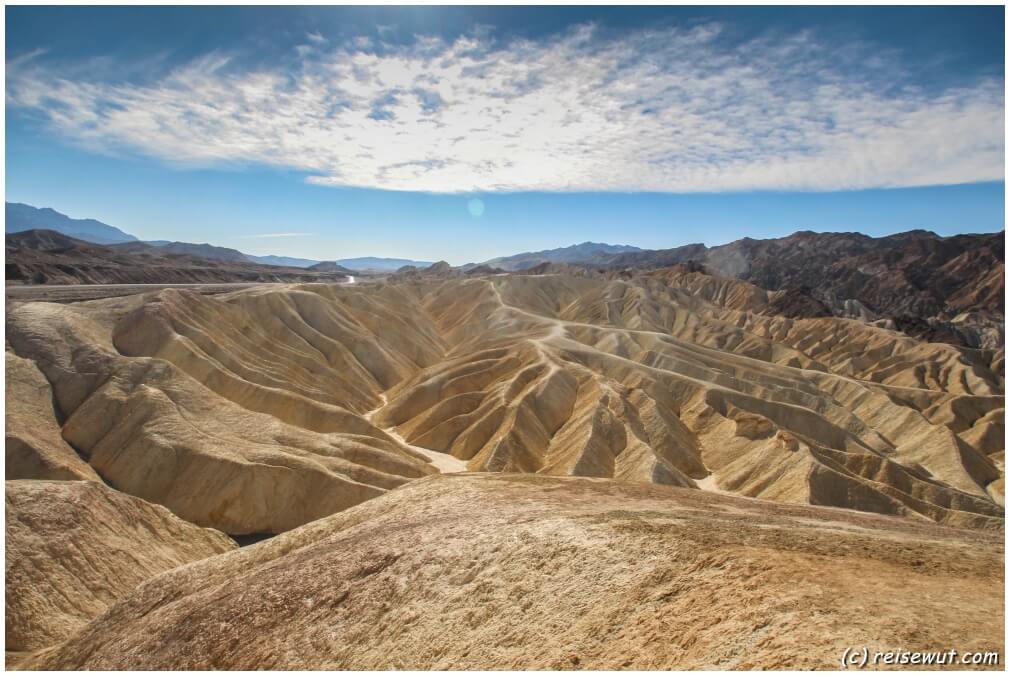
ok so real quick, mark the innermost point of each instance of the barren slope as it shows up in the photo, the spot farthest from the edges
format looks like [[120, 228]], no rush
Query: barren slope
[[262, 409], [243, 456], [527, 572], [684, 379]]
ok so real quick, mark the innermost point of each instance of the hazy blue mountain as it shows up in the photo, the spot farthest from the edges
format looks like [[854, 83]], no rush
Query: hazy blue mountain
[[587, 252], [285, 261], [21, 217], [381, 264]]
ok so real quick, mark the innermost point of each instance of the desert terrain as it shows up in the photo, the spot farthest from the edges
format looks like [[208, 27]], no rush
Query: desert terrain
[[657, 467], [504, 338]]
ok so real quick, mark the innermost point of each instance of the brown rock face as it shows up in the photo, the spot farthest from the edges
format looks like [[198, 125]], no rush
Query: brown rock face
[[74, 547], [912, 273], [532, 572], [918, 280]]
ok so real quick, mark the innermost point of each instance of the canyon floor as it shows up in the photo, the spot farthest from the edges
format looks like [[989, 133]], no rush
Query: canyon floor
[[655, 470]]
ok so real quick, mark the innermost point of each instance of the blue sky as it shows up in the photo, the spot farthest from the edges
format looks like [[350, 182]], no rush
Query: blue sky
[[339, 132]]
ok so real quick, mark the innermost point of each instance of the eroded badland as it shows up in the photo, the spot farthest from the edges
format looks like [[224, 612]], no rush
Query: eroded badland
[[652, 470]]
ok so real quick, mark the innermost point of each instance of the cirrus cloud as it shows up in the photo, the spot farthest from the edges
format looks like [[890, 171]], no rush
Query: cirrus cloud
[[671, 110]]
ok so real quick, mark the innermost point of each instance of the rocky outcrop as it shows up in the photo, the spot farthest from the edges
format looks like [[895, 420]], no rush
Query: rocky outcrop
[[532, 572], [74, 547]]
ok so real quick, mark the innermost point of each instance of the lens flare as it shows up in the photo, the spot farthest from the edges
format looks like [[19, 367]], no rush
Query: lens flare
[[475, 207]]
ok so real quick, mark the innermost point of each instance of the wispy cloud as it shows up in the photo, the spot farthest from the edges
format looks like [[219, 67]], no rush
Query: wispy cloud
[[269, 235], [673, 110], [25, 58]]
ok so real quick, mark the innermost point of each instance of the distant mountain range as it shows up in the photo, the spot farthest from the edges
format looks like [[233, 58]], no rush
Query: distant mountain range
[[21, 217], [286, 261], [218, 253], [380, 264], [928, 285], [915, 273]]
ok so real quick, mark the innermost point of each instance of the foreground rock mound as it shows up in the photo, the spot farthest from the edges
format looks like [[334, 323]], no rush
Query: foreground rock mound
[[74, 547], [529, 572]]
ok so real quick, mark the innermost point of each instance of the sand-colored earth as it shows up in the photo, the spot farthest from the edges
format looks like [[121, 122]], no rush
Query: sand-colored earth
[[246, 444], [490, 571], [260, 410]]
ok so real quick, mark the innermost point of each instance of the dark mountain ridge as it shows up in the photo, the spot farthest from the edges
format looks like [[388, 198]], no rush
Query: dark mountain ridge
[[210, 251], [49, 257], [586, 252]]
